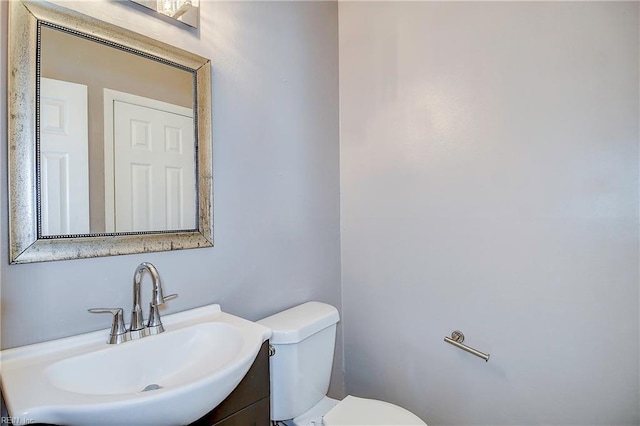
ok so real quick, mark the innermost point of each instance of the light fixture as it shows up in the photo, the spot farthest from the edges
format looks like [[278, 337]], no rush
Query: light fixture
[[185, 11]]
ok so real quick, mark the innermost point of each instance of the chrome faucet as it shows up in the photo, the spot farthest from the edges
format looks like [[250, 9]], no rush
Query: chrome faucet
[[154, 325], [138, 329]]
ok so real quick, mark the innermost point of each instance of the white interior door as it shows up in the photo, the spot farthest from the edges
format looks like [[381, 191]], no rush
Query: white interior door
[[154, 173], [64, 158]]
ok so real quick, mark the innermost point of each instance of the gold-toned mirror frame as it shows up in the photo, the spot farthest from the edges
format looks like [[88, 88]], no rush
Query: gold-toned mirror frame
[[25, 244]]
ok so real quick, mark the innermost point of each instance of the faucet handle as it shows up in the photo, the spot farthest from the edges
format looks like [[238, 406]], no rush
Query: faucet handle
[[169, 297], [164, 300], [118, 332], [154, 325]]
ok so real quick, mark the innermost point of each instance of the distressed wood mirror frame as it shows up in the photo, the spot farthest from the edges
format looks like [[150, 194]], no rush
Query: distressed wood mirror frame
[[26, 244]]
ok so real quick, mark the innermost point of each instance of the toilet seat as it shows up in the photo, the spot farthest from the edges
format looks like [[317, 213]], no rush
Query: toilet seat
[[353, 411]]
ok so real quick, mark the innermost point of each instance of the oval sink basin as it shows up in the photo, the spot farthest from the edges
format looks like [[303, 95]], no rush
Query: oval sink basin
[[169, 359], [173, 378]]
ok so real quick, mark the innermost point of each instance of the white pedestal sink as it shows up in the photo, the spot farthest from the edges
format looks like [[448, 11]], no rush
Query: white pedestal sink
[[173, 378]]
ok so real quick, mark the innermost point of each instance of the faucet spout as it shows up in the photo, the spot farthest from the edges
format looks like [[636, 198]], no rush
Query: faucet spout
[[137, 320]]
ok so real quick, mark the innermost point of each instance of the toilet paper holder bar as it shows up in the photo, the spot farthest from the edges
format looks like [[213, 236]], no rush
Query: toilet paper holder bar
[[456, 340]]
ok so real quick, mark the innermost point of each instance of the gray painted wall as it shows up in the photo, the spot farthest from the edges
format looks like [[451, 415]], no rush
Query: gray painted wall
[[276, 172], [489, 178]]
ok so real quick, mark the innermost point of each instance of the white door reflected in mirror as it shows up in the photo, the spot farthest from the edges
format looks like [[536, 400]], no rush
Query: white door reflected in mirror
[[64, 161], [149, 152]]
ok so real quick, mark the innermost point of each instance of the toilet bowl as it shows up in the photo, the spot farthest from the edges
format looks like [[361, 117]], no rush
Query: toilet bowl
[[362, 411], [354, 411], [303, 343]]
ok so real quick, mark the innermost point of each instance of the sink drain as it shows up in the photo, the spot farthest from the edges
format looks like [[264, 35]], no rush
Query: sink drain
[[151, 387]]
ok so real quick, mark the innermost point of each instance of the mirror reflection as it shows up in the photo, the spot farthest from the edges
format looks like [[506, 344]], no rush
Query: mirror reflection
[[117, 149]]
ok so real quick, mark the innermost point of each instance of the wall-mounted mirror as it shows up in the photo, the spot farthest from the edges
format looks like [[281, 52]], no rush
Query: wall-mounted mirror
[[109, 139]]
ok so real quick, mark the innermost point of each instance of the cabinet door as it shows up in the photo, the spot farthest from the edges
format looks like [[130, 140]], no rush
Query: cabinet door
[[254, 415], [254, 388]]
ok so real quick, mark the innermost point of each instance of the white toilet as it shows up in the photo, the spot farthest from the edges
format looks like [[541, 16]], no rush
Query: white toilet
[[304, 341]]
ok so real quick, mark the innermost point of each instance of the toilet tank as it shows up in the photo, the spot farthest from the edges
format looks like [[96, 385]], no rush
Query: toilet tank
[[304, 340]]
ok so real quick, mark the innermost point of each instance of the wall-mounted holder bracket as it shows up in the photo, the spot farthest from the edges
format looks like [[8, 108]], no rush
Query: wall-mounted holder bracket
[[456, 339]]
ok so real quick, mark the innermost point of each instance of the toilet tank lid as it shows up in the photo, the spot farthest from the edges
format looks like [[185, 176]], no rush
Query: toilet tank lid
[[300, 322]]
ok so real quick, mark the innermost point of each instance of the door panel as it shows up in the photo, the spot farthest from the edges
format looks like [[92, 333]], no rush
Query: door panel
[[153, 161], [64, 158]]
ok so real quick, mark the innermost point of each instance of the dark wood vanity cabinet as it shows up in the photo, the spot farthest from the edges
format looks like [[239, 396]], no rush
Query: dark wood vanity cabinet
[[247, 405]]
